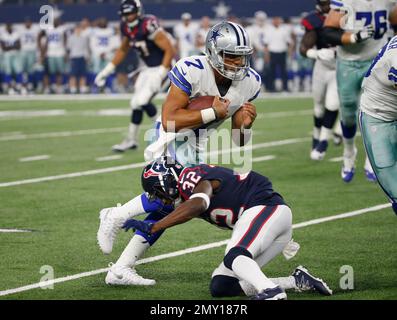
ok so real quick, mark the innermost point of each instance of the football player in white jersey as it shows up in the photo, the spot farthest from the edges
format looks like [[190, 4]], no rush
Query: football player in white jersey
[[224, 72], [185, 34], [10, 41], [358, 28], [54, 53], [29, 34], [101, 47], [378, 118]]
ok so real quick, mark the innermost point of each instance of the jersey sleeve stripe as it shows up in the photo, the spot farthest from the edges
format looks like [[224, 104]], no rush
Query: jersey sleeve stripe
[[178, 83], [393, 71], [255, 96], [181, 78], [393, 78], [336, 4], [307, 24]]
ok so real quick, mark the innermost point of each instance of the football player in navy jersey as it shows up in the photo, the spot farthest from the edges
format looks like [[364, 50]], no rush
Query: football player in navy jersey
[[325, 91], [260, 219], [144, 34]]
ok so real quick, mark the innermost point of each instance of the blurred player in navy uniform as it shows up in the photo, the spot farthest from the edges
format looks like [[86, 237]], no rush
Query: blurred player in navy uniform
[[325, 91], [260, 220], [142, 33]]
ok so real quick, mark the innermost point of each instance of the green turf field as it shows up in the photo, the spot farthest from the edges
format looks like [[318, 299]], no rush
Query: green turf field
[[64, 212]]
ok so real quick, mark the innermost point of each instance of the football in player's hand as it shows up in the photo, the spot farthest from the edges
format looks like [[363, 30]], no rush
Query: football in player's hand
[[201, 103]]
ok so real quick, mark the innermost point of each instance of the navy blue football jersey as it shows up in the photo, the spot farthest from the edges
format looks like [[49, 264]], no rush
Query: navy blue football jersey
[[315, 21], [141, 38], [235, 194]]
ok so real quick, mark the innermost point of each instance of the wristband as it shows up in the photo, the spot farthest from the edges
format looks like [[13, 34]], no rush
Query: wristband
[[208, 115], [203, 196], [312, 54]]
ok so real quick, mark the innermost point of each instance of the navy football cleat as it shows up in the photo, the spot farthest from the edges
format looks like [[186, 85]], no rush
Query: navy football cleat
[[306, 282], [271, 294], [371, 177]]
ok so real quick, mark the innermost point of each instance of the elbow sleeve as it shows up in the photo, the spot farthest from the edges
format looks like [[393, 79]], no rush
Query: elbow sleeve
[[332, 36]]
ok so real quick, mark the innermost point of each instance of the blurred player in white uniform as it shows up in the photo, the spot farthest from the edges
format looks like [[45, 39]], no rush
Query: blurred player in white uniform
[[205, 26], [54, 54], [257, 33], [358, 29], [154, 45], [101, 47], [29, 34], [325, 92], [223, 72], [185, 33], [10, 41], [378, 118]]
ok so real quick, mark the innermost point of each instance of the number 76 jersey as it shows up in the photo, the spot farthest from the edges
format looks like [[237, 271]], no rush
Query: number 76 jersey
[[235, 194], [360, 13]]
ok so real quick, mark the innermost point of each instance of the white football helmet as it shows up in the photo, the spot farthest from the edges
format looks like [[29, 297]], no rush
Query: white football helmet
[[228, 39]]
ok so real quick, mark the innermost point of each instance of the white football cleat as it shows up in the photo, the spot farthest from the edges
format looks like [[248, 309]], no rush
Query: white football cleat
[[125, 145], [110, 224], [316, 155], [126, 276]]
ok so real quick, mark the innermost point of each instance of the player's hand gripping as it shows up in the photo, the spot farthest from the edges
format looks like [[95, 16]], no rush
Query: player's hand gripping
[[249, 114], [142, 226], [220, 106], [366, 33]]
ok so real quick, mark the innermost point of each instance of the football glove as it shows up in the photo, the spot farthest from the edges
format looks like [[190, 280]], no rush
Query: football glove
[[142, 226], [366, 33], [100, 79]]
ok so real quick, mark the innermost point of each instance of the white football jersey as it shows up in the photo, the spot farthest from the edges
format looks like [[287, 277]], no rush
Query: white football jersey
[[195, 76], [360, 13], [10, 39], [55, 42], [29, 37], [101, 41], [379, 97], [257, 35], [186, 36]]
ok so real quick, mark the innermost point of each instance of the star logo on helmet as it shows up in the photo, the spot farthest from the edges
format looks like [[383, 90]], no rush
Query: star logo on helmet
[[215, 35]]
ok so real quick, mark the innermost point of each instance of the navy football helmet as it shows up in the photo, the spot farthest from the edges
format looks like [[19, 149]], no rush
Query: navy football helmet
[[323, 6], [160, 179], [128, 7]]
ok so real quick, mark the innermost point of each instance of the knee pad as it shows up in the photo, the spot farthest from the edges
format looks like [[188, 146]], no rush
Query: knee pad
[[233, 254], [136, 116], [225, 286], [150, 109], [141, 98], [348, 131], [152, 238]]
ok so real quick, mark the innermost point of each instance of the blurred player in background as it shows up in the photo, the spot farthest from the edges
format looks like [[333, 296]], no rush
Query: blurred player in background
[[260, 220], [358, 29], [29, 35], [378, 118], [143, 33], [53, 54], [185, 33], [205, 26], [257, 32], [325, 91], [101, 48], [10, 41], [223, 72]]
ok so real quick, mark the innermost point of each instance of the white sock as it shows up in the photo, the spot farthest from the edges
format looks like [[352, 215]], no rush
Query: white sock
[[325, 134], [133, 131], [131, 209], [349, 147], [134, 251], [247, 269], [285, 282], [368, 165], [316, 133], [248, 288]]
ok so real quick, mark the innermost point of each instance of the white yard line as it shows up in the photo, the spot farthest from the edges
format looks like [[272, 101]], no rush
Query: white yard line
[[337, 159], [14, 230], [109, 158], [62, 134], [35, 158], [12, 114], [264, 158], [188, 250], [141, 164]]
